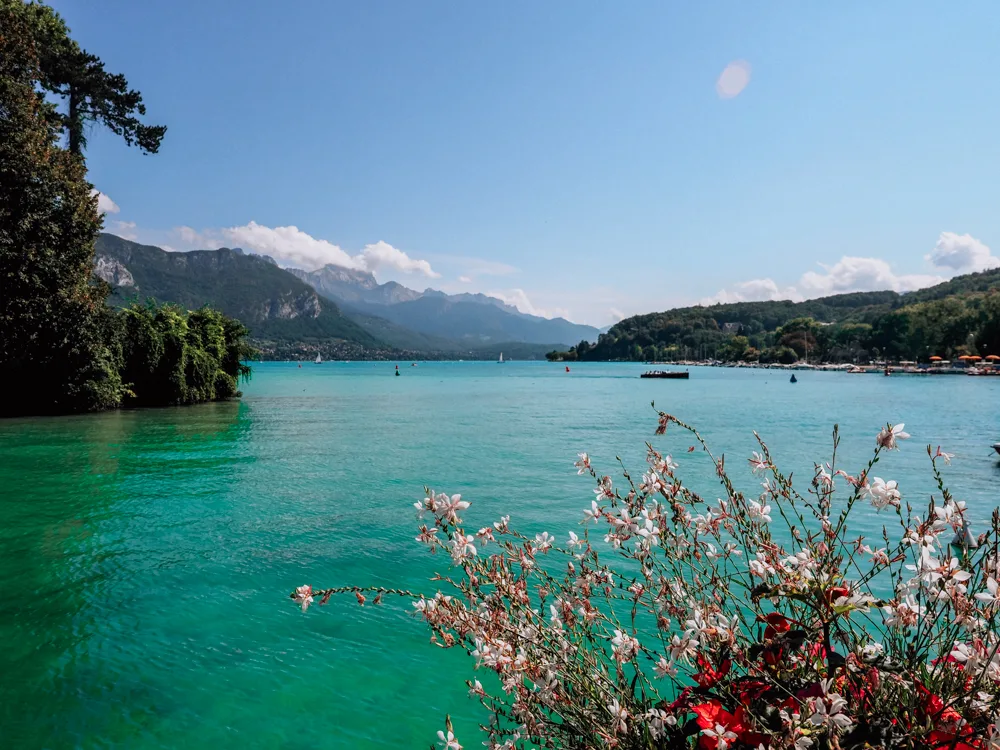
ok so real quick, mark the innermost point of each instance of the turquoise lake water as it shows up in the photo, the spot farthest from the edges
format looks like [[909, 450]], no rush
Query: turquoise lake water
[[146, 557]]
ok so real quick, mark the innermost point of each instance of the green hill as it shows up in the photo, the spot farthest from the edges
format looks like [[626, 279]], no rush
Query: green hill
[[958, 316], [280, 310]]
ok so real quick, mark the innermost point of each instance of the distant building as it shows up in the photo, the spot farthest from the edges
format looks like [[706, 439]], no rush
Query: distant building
[[732, 328]]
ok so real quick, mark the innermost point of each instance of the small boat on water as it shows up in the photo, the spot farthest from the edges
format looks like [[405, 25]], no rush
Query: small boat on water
[[666, 374], [500, 361], [996, 447], [793, 379], [319, 360]]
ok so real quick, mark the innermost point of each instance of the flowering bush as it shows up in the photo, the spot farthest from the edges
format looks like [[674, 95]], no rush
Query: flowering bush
[[725, 623]]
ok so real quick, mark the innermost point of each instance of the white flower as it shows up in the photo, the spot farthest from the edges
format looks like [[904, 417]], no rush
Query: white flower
[[427, 606], [604, 489], [575, 541], [649, 532], [651, 483], [993, 735], [448, 507], [664, 668], [303, 595], [855, 600], [722, 734], [624, 647], [889, 435], [830, 716], [945, 456], [872, 651], [619, 716], [758, 463], [761, 567], [543, 541], [759, 511], [556, 618], [682, 648], [658, 720], [905, 614], [950, 514], [583, 463], [991, 596], [593, 514], [448, 741], [477, 688], [462, 547], [883, 493], [427, 535]]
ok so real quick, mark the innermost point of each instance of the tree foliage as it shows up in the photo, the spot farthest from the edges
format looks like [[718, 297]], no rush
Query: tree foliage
[[54, 327], [173, 357], [961, 316], [78, 81], [62, 349]]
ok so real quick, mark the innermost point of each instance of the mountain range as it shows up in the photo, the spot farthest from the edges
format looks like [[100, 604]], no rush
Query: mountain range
[[471, 319], [336, 311]]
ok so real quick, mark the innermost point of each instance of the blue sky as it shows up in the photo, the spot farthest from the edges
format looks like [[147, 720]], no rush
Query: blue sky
[[577, 158]]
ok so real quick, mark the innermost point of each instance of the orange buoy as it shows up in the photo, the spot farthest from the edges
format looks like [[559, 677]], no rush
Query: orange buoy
[[567, 368]]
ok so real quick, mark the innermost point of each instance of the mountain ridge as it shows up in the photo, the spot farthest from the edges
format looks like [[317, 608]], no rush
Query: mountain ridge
[[463, 317], [287, 317], [273, 304]]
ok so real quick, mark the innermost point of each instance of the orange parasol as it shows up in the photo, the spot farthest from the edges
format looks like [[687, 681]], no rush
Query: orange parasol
[[992, 357], [938, 359], [965, 356], [974, 357]]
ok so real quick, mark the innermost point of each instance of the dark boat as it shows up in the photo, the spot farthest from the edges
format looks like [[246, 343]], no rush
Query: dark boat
[[793, 379], [996, 447], [665, 374]]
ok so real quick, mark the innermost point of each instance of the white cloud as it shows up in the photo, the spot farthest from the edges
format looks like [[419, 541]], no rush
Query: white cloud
[[124, 229], [617, 314], [519, 299], [962, 253], [849, 274], [291, 246], [754, 290], [104, 204], [188, 235], [382, 254], [733, 79], [465, 279]]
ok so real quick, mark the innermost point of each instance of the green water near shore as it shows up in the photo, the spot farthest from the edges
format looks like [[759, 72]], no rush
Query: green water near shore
[[146, 557]]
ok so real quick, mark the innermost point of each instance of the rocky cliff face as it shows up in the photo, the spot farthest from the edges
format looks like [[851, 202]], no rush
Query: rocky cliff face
[[250, 287], [112, 271], [290, 306]]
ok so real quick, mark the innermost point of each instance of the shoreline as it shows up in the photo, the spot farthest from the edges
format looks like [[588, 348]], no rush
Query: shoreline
[[850, 369]]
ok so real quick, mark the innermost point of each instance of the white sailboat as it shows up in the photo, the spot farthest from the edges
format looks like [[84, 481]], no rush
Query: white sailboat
[[319, 360], [500, 361]]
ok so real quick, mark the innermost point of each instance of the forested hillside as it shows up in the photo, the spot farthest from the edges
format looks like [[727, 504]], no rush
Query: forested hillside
[[279, 309], [960, 316]]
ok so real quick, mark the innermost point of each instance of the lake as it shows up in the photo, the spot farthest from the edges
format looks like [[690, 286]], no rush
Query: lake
[[146, 557]]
